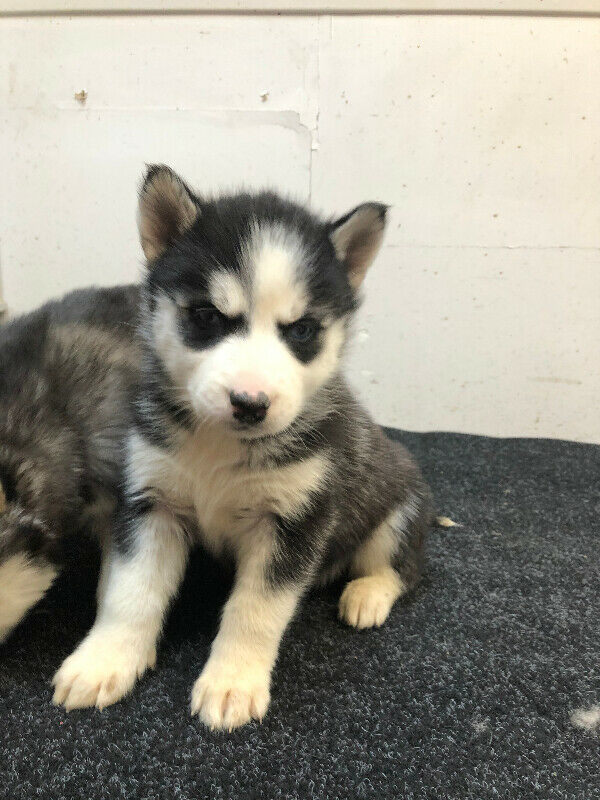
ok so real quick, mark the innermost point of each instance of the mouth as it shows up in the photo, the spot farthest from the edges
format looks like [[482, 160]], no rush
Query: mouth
[[256, 433], [248, 430]]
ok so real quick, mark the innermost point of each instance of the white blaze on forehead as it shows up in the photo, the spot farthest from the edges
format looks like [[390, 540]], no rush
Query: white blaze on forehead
[[274, 259], [227, 294]]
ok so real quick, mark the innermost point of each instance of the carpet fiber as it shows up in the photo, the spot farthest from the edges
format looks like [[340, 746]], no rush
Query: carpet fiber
[[467, 692]]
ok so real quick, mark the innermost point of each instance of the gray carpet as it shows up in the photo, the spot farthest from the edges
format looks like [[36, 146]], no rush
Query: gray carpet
[[467, 692]]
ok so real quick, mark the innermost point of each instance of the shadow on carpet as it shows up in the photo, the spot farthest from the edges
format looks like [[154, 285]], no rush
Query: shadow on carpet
[[468, 691]]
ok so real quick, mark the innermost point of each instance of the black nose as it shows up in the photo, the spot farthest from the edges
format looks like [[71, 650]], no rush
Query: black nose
[[249, 409]]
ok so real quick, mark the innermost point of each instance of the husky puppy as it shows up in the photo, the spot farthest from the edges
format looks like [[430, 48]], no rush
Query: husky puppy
[[68, 376], [244, 435]]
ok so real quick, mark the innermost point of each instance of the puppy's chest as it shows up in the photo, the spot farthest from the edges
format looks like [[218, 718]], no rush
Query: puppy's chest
[[231, 501]]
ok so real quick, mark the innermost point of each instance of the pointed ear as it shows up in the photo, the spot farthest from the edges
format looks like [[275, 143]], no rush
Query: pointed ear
[[357, 238], [166, 209]]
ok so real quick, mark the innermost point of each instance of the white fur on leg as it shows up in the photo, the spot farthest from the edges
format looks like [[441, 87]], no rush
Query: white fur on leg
[[103, 668], [227, 698], [366, 602], [22, 584], [234, 685], [132, 603], [104, 572]]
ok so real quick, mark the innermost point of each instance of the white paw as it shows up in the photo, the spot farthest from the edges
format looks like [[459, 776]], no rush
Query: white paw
[[366, 602], [224, 698], [102, 670]]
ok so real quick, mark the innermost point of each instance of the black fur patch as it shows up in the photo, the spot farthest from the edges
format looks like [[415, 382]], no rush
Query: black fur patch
[[132, 508], [299, 541], [139, 505], [156, 406], [198, 334], [305, 349], [8, 483], [151, 428], [23, 533], [216, 242]]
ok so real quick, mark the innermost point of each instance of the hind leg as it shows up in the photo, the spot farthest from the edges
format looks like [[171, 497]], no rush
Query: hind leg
[[385, 567], [28, 566], [367, 599]]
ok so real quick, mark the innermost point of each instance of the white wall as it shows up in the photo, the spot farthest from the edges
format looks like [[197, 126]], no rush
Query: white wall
[[483, 312]]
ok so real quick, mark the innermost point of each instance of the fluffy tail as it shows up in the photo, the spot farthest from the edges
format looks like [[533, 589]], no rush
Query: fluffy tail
[[28, 565]]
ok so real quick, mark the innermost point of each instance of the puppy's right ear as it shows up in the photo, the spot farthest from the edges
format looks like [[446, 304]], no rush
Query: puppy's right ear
[[166, 209]]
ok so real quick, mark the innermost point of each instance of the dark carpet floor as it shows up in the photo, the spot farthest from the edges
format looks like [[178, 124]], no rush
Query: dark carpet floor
[[467, 692]]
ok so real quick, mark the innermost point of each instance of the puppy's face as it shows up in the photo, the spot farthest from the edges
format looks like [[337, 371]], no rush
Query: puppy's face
[[250, 298]]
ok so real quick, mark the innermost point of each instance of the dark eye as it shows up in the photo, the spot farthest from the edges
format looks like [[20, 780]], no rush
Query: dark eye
[[204, 325], [302, 331], [207, 321]]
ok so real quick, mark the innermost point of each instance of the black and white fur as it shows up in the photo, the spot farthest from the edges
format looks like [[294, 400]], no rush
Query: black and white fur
[[68, 376], [244, 434]]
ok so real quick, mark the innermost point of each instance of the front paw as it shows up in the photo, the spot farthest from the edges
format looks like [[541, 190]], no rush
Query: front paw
[[226, 698], [102, 670]]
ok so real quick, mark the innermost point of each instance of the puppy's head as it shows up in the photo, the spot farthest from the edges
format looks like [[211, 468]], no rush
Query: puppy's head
[[249, 298]]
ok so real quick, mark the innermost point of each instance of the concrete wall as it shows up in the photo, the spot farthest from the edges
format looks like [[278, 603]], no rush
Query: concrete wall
[[482, 132]]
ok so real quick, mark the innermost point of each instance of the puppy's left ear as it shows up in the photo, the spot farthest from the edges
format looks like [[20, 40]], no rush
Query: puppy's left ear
[[166, 209], [357, 237]]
